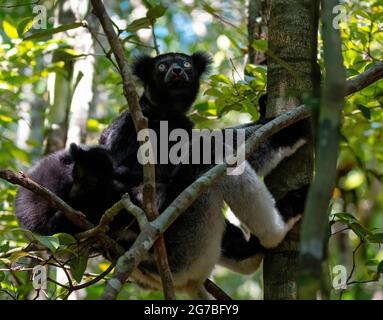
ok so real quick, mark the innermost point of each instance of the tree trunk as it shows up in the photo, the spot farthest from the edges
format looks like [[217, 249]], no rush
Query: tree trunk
[[293, 76], [70, 91]]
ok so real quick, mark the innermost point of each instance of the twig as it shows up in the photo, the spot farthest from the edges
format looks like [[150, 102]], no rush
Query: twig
[[352, 268], [110, 214], [140, 122], [155, 44], [216, 291]]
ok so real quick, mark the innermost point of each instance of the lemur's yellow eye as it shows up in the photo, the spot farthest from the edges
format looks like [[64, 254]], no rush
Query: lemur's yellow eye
[[161, 67], [187, 64]]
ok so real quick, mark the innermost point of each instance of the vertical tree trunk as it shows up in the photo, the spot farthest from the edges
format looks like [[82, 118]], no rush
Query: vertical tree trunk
[[59, 89], [70, 92], [292, 76], [315, 226], [83, 71]]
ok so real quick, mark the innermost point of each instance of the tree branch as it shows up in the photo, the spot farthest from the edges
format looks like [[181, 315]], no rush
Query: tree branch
[[364, 79], [140, 122], [76, 217], [315, 226]]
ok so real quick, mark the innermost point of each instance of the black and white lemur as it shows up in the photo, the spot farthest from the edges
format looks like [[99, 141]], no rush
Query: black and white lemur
[[195, 241]]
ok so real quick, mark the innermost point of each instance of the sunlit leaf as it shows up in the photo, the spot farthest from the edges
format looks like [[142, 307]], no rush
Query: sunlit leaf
[[260, 45], [62, 28], [51, 242], [65, 239], [24, 25], [156, 12], [9, 29], [138, 24]]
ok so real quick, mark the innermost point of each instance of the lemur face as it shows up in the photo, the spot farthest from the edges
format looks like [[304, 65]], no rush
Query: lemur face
[[173, 78]]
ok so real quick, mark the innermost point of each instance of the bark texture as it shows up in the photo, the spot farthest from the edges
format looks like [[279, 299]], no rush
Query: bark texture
[[293, 76]]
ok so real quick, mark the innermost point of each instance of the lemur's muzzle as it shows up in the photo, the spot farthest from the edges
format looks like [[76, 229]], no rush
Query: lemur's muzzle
[[176, 74]]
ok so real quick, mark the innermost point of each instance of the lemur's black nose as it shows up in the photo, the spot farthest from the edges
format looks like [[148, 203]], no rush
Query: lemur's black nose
[[177, 70]]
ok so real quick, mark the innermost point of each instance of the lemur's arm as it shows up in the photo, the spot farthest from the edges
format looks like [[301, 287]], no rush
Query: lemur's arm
[[278, 147]]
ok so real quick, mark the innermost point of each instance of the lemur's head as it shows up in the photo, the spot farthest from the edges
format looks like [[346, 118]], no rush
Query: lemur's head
[[172, 80], [92, 168]]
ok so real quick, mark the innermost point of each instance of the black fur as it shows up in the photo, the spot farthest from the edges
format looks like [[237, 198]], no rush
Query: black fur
[[168, 95], [81, 176]]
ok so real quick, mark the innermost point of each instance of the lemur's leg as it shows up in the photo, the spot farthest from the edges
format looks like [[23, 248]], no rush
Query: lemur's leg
[[244, 255], [254, 206], [239, 253]]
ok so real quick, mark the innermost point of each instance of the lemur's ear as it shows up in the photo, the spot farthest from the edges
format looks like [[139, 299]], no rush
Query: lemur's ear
[[76, 152], [201, 62], [142, 67]]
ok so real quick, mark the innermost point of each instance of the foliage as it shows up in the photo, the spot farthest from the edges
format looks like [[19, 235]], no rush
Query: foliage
[[229, 95]]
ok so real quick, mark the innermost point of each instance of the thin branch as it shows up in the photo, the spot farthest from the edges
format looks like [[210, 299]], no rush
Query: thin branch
[[111, 213], [216, 291], [96, 279], [155, 43], [352, 268], [76, 217], [366, 78], [140, 122]]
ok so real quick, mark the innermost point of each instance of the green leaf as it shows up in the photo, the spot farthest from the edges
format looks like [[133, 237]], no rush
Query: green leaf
[[365, 111], [62, 28], [372, 262], [17, 255], [375, 238], [346, 217], [260, 45], [361, 13], [138, 24], [379, 269], [4, 247], [156, 12], [78, 265], [359, 230], [2, 276], [213, 92], [51, 242], [24, 25], [9, 29], [65, 239], [220, 78]]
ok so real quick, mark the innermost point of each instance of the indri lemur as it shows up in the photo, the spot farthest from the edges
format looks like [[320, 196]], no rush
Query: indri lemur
[[171, 84]]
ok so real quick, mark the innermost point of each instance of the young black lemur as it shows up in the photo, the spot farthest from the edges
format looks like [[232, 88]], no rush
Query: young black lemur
[[84, 177], [171, 83]]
